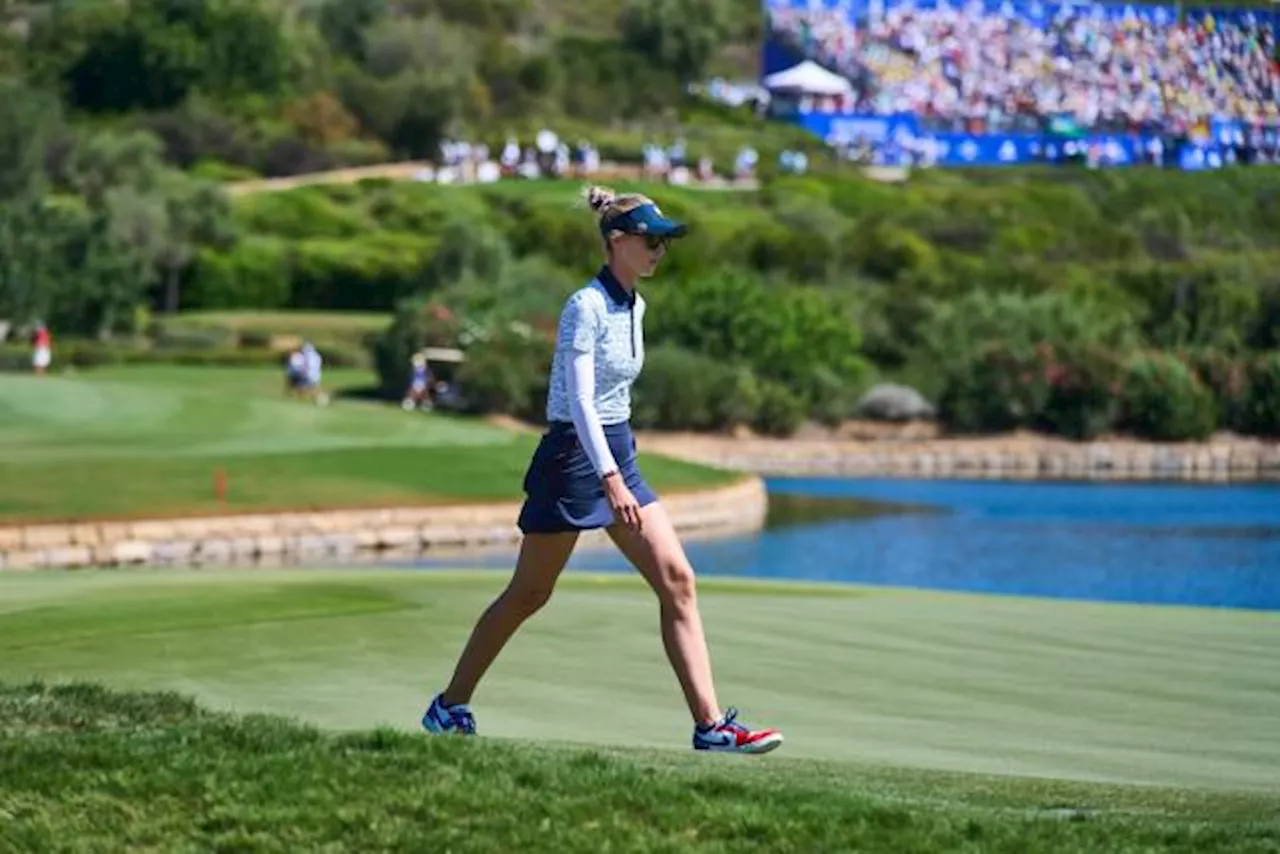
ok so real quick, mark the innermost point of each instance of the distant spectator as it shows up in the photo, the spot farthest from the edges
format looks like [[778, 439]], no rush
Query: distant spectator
[[418, 395], [303, 373], [793, 162], [964, 68], [295, 373], [706, 169], [510, 157], [41, 348]]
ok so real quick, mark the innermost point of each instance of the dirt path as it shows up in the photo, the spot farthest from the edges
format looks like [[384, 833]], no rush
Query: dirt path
[[411, 170]]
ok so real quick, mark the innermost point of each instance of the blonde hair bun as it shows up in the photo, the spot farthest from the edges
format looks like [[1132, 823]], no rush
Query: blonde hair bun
[[600, 198]]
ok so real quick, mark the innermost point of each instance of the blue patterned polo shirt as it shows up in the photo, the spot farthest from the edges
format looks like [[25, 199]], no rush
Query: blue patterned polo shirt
[[605, 320]]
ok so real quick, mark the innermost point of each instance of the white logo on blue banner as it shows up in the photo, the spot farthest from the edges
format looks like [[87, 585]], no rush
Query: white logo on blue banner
[[872, 128], [969, 150], [1008, 151]]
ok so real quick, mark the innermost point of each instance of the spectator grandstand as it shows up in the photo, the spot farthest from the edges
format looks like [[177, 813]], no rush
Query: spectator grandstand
[[1131, 80]]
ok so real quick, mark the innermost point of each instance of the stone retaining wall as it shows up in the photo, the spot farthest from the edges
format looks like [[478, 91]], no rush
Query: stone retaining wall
[[1046, 459], [346, 535]]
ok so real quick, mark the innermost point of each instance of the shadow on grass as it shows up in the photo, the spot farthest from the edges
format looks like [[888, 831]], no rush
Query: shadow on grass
[[365, 393]]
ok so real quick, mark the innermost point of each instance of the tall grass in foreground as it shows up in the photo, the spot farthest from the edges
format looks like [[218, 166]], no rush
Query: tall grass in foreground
[[87, 769]]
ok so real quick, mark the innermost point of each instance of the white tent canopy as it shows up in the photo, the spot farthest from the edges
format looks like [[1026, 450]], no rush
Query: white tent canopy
[[808, 78]]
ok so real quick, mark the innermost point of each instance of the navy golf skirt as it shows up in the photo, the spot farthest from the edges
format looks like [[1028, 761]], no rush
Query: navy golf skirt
[[562, 490]]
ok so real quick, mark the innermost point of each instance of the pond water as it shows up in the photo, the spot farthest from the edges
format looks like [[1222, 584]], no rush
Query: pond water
[[1172, 544]]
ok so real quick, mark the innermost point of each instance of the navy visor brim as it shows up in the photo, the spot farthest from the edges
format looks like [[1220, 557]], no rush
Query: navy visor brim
[[646, 220]]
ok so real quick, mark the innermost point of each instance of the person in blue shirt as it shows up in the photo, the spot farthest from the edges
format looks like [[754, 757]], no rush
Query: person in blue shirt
[[418, 395], [584, 476]]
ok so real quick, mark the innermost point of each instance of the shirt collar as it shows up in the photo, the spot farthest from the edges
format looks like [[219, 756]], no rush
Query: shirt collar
[[614, 288]]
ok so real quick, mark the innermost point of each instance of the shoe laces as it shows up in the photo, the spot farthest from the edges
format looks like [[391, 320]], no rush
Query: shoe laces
[[465, 721], [730, 722], [461, 717]]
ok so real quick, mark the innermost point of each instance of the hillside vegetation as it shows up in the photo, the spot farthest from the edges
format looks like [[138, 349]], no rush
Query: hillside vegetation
[[237, 87], [1074, 302]]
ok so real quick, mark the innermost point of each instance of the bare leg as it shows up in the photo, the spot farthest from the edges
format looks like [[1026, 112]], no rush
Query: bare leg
[[656, 552], [542, 558]]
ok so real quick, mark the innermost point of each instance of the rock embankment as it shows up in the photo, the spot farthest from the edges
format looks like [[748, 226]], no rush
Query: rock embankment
[[1020, 457], [337, 536]]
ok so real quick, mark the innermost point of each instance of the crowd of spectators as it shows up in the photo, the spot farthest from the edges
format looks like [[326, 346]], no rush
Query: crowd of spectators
[[977, 69]]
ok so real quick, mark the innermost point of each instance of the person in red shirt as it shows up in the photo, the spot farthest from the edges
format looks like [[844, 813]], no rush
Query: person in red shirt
[[41, 348]]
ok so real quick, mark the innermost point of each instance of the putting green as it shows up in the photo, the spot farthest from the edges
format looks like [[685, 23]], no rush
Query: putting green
[[162, 411], [148, 441], [1169, 696]]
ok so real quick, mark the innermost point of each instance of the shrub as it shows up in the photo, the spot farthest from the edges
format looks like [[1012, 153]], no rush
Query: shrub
[[960, 326], [1083, 387], [781, 410], [370, 273], [683, 390], [1047, 362], [832, 399], [252, 274], [1070, 391], [1262, 407], [781, 333], [302, 213], [736, 400], [1163, 399], [507, 374], [993, 389], [467, 248], [1228, 378], [531, 290]]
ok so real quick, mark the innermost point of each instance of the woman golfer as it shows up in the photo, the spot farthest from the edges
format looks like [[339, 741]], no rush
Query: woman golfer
[[583, 475]]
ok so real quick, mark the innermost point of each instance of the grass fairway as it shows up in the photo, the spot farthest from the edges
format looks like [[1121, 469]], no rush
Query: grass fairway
[[897, 707], [145, 441]]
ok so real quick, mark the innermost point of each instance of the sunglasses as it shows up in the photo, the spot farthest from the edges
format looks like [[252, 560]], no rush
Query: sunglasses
[[653, 241]]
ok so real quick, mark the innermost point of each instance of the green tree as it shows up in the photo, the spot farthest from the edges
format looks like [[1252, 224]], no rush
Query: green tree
[[29, 118], [145, 223], [343, 23], [30, 261], [681, 35], [198, 215], [153, 54]]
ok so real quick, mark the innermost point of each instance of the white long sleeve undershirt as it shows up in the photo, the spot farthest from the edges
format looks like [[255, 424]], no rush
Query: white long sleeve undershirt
[[581, 381]]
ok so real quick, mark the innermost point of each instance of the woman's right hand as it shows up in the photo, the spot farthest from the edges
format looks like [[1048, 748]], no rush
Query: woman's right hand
[[625, 507]]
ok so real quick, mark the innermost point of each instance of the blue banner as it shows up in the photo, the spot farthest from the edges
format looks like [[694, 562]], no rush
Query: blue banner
[[962, 149], [845, 128], [899, 140]]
